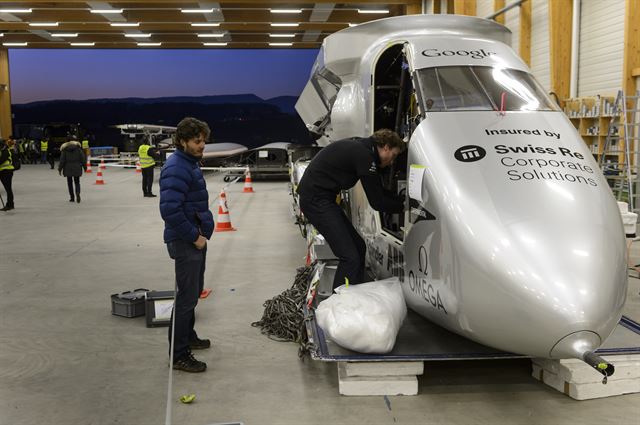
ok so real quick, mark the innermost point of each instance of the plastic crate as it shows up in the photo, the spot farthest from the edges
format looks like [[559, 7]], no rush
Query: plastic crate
[[129, 303], [158, 306]]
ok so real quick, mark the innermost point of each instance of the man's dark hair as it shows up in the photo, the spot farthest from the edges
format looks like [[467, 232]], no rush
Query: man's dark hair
[[385, 137], [188, 129]]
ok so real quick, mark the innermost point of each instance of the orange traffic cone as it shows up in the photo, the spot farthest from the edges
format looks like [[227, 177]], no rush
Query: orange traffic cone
[[247, 183], [224, 220], [89, 166], [138, 168], [102, 166], [99, 177]]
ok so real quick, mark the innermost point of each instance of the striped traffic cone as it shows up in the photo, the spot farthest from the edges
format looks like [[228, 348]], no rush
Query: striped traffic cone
[[88, 166], [138, 168], [99, 179], [102, 165], [247, 183], [224, 219]]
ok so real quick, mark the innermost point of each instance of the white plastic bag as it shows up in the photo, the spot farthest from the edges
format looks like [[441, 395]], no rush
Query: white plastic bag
[[364, 318]]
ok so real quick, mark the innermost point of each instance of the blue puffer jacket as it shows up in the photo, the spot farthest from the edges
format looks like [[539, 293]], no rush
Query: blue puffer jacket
[[184, 200]]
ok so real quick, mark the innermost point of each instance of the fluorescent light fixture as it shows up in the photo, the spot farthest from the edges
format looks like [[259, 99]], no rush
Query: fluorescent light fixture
[[106, 11], [284, 25], [65, 34], [352, 25], [14, 44], [15, 10], [214, 44], [205, 24], [281, 44], [218, 35], [197, 10], [125, 24], [286, 10], [379, 11], [43, 24], [282, 35], [1, 34], [138, 35], [149, 44], [83, 44]]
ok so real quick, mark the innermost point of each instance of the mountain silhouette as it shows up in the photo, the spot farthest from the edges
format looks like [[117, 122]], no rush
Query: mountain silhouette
[[245, 118]]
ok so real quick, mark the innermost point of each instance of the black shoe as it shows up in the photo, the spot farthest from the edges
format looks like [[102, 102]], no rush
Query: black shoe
[[146, 195], [199, 344], [6, 208], [77, 197], [188, 363], [151, 195]]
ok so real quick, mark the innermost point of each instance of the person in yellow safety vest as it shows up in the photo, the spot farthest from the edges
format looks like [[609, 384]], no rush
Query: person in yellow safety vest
[[146, 153], [44, 146], [85, 146], [6, 170]]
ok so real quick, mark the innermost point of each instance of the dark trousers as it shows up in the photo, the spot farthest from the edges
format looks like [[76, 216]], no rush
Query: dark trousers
[[6, 176], [147, 180], [189, 265], [345, 242], [51, 160], [70, 181]]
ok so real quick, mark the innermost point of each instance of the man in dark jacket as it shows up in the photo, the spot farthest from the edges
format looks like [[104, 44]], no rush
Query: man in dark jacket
[[6, 170], [338, 167], [72, 162], [184, 206]]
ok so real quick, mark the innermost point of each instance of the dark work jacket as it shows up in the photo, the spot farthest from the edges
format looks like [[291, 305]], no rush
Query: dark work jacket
[[340, 165], [72, 159], [184, 200]]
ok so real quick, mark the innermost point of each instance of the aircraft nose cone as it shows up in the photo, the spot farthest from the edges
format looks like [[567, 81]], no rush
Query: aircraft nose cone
[[575, 345]]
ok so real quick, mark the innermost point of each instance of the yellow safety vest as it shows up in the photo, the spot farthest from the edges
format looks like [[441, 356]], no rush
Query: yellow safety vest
[[145, 160], [44, 146], [85, 144], [8, 164]]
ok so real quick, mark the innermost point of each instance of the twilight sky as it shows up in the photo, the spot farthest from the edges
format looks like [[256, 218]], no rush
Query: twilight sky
[[46, 74]]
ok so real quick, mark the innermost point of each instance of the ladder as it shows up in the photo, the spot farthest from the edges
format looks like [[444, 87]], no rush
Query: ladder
[[619, 159]]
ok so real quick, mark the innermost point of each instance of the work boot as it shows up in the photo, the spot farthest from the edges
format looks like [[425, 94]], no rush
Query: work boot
[[188, 363], [199, 344], [77, 197]]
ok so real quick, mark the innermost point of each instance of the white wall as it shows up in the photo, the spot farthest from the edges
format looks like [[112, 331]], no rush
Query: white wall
[[512, 21], [484, 8], [540, 54], [601, 47]]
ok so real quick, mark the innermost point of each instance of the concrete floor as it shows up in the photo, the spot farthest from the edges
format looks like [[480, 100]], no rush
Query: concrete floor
[[64, 359]]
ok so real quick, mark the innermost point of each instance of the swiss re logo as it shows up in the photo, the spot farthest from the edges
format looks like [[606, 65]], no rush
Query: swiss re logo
[[470, 153]]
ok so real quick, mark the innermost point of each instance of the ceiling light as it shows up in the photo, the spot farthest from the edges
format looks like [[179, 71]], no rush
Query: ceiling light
[[284, 25], [83, 44], [65, 34], [286, 10], [43, 24], [214, 44], [380, 11], [149, 44], [211, 35], [125, 24], [106, 11], [205, 24], [282, 35], [352, 25], [1, 34], [15, 10], [197, 10], [14, 44], [281, 44], [138, 35]]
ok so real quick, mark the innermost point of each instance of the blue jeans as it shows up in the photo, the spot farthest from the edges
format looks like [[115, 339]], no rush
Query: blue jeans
[[189, 265]]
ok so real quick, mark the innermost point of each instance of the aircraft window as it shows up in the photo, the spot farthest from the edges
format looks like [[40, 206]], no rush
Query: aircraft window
[[327, 85], [466, 88]]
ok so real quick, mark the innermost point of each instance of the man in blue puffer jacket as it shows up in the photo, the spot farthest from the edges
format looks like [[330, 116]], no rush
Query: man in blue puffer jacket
[[188, 223]]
